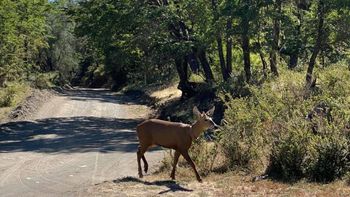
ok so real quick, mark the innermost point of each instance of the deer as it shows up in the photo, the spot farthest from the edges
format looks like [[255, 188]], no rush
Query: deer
[[173, 135]]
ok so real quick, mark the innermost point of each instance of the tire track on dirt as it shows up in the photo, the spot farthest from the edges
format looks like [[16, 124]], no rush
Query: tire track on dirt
[[9, 172]]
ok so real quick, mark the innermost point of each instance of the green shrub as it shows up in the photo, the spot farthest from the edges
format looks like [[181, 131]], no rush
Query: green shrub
[[266, 130], [44, 80], [203, 154], [331, 158], [243, 140], [289, 153], [13, 94]]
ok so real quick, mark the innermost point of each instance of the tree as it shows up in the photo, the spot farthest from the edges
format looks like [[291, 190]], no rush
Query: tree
[[62, 53], [275, 36], [323, 34], [319, 40], [23, 31]]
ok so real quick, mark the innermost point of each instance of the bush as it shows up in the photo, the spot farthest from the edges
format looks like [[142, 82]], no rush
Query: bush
[[13, 94], [204, 155], [267, 130], [331, 158], [288, 159], [243, 139], [45, 80], [301, 154]]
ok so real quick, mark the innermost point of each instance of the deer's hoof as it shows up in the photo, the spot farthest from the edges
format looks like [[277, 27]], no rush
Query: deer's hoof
[[200, 180], [140, 176]]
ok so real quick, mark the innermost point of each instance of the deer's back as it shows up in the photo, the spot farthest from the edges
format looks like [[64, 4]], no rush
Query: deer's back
[[164, 133]]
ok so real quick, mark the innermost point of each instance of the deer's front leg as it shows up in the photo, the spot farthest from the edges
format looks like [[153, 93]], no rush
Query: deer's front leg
[[189, 160], [176, 159]]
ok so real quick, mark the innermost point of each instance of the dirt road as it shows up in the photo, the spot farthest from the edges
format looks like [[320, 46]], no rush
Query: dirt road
[[75, 140]]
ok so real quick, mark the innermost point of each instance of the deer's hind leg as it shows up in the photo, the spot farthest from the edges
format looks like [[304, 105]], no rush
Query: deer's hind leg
[[145, 167]]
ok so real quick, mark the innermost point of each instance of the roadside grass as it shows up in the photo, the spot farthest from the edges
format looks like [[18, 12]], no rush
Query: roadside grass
[[4, 112], [166, 94], [233, 183], [11, 96], [239, 183]]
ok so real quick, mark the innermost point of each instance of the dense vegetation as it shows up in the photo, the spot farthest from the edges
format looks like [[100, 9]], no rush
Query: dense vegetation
[[285, 130], [271, 63], [37, 47]]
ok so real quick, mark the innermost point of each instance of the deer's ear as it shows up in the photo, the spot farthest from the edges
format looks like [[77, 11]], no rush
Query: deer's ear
[[211, 111], [196, 112]]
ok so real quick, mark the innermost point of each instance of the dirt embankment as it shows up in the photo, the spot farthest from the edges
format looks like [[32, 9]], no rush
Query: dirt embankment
[[31, 104]]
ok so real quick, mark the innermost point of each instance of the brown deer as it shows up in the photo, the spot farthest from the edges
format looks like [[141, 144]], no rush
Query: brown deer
[[174, 135]]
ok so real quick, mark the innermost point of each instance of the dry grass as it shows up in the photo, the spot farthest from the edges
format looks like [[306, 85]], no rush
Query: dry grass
[[19, 92], [160, 93], [4, 112], [228, 184], [166, 93]]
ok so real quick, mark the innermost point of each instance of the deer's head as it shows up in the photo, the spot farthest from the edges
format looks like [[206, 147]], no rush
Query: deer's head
[[205, 118]]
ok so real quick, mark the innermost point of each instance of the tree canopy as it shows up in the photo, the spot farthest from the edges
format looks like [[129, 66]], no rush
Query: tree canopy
[[119, 42]]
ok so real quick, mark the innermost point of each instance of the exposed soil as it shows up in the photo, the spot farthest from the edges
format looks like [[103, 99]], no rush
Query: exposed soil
[[31, 104]]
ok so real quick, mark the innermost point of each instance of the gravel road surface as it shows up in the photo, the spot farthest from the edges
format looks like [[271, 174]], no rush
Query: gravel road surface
[[77, 139]]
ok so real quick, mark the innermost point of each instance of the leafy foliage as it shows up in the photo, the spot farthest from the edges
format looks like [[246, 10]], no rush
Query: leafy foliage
[[13, 94], [268, 131], [23, 34]]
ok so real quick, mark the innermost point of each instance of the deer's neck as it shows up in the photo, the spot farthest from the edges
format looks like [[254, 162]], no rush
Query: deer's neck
[[196, 130]]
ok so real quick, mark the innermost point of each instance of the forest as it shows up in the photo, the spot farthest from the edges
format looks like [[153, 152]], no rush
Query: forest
[[279, 69]]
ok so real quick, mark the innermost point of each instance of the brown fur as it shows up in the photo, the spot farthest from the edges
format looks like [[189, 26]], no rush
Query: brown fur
[[177, 136]]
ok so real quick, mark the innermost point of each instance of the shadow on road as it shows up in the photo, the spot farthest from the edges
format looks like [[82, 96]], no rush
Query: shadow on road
[[171, 185], [103, 95], [70, 135]]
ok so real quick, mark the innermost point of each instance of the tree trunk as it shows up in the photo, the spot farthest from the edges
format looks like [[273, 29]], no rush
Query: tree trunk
[[276, 34], [245, 47], [224, 72], [193, 62], [185, 87], [222, 59], [264, 64], [318, 44], [181, 70], [229, 47], [293, 60], [260, 51], [179, 31], [206, 67]]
